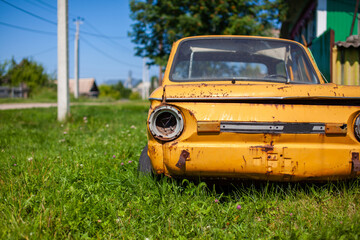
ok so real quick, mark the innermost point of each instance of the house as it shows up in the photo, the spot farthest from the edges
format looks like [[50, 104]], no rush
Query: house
[[87, 87], [329, 28], [142, 88], [14, 92]]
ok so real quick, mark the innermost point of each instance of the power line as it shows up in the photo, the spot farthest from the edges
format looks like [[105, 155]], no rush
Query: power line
[[48, 5], [110, 40], [55, 23], [43, 51], [102, 36], [28, 29], [40, 6], [27, 12], [109, 56]]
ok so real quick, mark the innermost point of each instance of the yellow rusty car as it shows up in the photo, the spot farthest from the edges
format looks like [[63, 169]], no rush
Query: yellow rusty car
[[240, 107]]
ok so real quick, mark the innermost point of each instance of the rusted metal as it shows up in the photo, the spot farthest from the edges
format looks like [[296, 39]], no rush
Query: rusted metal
[[265, 148], [355, 162], [166, 122], [208, 127], [163, 97], [258, 111], [335, 129], [182, 159], [191, 113]]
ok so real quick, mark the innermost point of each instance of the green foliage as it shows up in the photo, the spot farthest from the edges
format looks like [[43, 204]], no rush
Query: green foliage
[[115, 92], [3, 70], [135, 96], [159, 23], [107, 91], [45, 94], [79, 180], [124, 92], [26, 72]]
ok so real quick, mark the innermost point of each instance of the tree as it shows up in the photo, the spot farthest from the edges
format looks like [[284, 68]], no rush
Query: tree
[[3, 70], [124, 92], [27, 71], [159, 23]]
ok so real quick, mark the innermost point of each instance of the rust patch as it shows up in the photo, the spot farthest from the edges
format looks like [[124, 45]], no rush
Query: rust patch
[[335, 129], [174, 143], [355, 162], [182, 159], [152, 150], [163, 96], [191, 113], [282, 88], [266, 148]]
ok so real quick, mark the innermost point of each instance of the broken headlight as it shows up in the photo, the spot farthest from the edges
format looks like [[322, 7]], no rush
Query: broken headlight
[[166, 123]]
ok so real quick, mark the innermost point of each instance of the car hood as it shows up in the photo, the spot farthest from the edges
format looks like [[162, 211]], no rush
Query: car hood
[[256, 92]]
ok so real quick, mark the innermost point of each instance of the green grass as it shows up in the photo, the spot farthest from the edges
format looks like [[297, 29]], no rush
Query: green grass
[[79, 180], [49, 95]]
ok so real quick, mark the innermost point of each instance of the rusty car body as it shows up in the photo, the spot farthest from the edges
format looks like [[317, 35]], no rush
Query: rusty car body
[[240, 107]]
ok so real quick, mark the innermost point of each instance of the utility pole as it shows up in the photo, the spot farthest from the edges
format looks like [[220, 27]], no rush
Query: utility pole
[[129, 80], [78, 21], [63, 61], [143, 79]]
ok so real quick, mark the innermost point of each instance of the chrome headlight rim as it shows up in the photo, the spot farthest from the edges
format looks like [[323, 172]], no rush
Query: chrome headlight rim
[[357, 127], [160, 133]]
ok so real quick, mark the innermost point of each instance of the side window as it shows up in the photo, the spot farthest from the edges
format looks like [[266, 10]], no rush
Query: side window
[[301, 68]]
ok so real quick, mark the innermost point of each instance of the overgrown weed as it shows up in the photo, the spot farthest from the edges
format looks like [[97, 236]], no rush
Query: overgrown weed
[[79, 179]]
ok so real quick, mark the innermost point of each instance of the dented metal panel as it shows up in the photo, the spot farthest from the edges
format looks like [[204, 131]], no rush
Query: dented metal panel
[[182, 159]]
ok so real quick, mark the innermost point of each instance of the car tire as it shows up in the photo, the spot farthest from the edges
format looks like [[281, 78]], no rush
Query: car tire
[[145, 167]]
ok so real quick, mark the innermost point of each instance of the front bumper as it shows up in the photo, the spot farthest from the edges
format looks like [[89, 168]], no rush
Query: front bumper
[[280, 162], [275, 142]]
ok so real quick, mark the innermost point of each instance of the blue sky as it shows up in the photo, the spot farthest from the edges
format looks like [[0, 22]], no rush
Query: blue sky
[[104, 58]]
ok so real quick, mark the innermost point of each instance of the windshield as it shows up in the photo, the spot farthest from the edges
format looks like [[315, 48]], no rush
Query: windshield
[[247, 59]]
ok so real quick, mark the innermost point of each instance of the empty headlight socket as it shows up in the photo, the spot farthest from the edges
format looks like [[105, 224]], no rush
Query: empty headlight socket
[[166, 123]]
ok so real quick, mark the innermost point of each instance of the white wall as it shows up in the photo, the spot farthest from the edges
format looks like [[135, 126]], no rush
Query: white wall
[[321, 18]]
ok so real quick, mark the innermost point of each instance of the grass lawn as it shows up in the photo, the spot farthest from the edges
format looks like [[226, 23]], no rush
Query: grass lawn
[[49, 95], [79, 180]]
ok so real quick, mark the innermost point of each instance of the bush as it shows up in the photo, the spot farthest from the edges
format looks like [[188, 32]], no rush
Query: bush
[[134, 96], [44, 94], [107, 91]]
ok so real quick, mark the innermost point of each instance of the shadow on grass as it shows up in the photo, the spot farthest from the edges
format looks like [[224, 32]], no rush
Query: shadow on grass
[[253, 188]]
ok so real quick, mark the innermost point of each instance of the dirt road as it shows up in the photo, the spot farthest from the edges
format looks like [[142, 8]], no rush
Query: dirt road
[[6, 106]]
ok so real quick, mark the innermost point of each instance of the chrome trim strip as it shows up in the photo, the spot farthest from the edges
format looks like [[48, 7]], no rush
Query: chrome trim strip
[[272, 127], [224, 126], [157, 99], [318, 128]]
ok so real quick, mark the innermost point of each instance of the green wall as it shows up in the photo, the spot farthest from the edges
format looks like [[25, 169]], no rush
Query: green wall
[[320, 49], [339, 18]]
